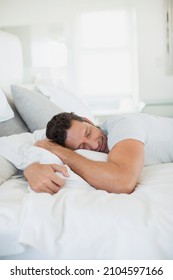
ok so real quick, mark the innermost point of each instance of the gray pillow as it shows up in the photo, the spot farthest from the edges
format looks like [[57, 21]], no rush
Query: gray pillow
[[34, 108], [13, 126], [7, 169]]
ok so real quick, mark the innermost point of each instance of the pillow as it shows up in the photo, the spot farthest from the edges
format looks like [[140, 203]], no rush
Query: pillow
[[7, 169], [13, 126], [6, 113], [92, 155], [74, 179], [34, 108], [66, 100]]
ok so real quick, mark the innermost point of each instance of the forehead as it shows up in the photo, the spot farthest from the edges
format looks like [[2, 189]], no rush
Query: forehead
[[77, 127]]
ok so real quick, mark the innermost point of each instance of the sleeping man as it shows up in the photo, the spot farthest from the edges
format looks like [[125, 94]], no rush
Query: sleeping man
[[131, 141]]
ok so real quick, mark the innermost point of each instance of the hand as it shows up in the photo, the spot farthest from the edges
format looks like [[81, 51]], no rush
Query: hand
[[42, 177], [46, 144], [50, 146]]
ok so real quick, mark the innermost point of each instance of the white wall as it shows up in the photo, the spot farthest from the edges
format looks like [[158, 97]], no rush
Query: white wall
[[154, 83]]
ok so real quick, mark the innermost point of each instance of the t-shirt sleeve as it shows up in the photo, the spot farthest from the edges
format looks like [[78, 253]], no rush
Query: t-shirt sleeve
[[126, 129]]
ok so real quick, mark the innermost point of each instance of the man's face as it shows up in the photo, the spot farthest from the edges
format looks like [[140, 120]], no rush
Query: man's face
[[83, 135]]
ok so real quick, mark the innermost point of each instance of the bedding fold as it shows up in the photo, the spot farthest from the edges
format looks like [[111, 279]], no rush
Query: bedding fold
[[80, 222]]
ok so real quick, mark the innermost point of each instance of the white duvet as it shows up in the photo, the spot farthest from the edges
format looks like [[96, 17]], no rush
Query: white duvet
[[80, 222]]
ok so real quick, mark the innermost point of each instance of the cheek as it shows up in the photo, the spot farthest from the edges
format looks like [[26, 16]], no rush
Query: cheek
[[97, 132], [101, 134]]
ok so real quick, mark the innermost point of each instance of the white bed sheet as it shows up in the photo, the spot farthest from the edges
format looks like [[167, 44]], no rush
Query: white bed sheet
[[12, 193], [80, 222]]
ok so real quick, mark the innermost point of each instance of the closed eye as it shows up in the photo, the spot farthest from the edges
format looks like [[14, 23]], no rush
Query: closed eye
[[88, 133]]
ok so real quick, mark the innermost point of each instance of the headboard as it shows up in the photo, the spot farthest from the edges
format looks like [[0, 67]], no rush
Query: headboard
[[160, 108], [11, 61]]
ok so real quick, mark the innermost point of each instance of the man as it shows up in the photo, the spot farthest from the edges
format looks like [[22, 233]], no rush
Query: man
[[131, 141]]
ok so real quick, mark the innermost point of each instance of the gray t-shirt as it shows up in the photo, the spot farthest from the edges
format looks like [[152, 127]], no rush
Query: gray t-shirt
[[155, 132]]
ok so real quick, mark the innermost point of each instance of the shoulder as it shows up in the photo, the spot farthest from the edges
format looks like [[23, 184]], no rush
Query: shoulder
[[120, 119], [129, 126]]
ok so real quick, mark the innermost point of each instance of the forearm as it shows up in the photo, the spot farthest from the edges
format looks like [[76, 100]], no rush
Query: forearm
[[101, 175], [119, 174]]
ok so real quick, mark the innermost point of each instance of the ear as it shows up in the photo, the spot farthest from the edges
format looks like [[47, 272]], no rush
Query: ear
[[88, 121]]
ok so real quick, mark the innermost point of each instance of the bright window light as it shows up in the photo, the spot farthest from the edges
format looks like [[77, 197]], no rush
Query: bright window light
[[106, 57], [105, 73], [104, 29], [49, 54]]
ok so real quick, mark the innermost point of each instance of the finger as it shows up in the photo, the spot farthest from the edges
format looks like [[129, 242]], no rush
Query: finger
[[54, 182], [60, 168], [58, 180], [41, 189], [51, 184], [47, 190], [52, 188]]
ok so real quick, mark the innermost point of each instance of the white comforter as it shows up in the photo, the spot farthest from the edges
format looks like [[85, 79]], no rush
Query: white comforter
[[80, 222]]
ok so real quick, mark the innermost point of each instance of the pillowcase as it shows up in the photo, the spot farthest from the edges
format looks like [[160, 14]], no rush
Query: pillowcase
[[6, 113], [66, 100], [34, 108], [73, 179], [15, 125], [7, 169], [93, 155]]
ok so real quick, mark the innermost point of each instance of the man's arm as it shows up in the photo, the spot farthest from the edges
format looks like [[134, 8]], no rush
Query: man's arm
[[119, 174]]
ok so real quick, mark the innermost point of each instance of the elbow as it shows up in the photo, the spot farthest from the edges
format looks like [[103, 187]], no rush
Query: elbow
[[125, 186], [129, 185], [128, 188]]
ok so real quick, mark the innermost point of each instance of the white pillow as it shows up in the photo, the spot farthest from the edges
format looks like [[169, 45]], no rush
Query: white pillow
[[6, 113], [73, 179], [66, 100], [7, 169], [93, 155], [77, 180]]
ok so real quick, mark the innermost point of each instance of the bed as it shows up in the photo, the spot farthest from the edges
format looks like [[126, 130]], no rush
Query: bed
[[79, 222]]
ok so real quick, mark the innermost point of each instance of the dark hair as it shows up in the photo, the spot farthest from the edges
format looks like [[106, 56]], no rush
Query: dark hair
[[56, 129]]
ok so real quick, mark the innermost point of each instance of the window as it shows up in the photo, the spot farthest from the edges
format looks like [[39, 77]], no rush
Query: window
[[106, 59], [49, 54]]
